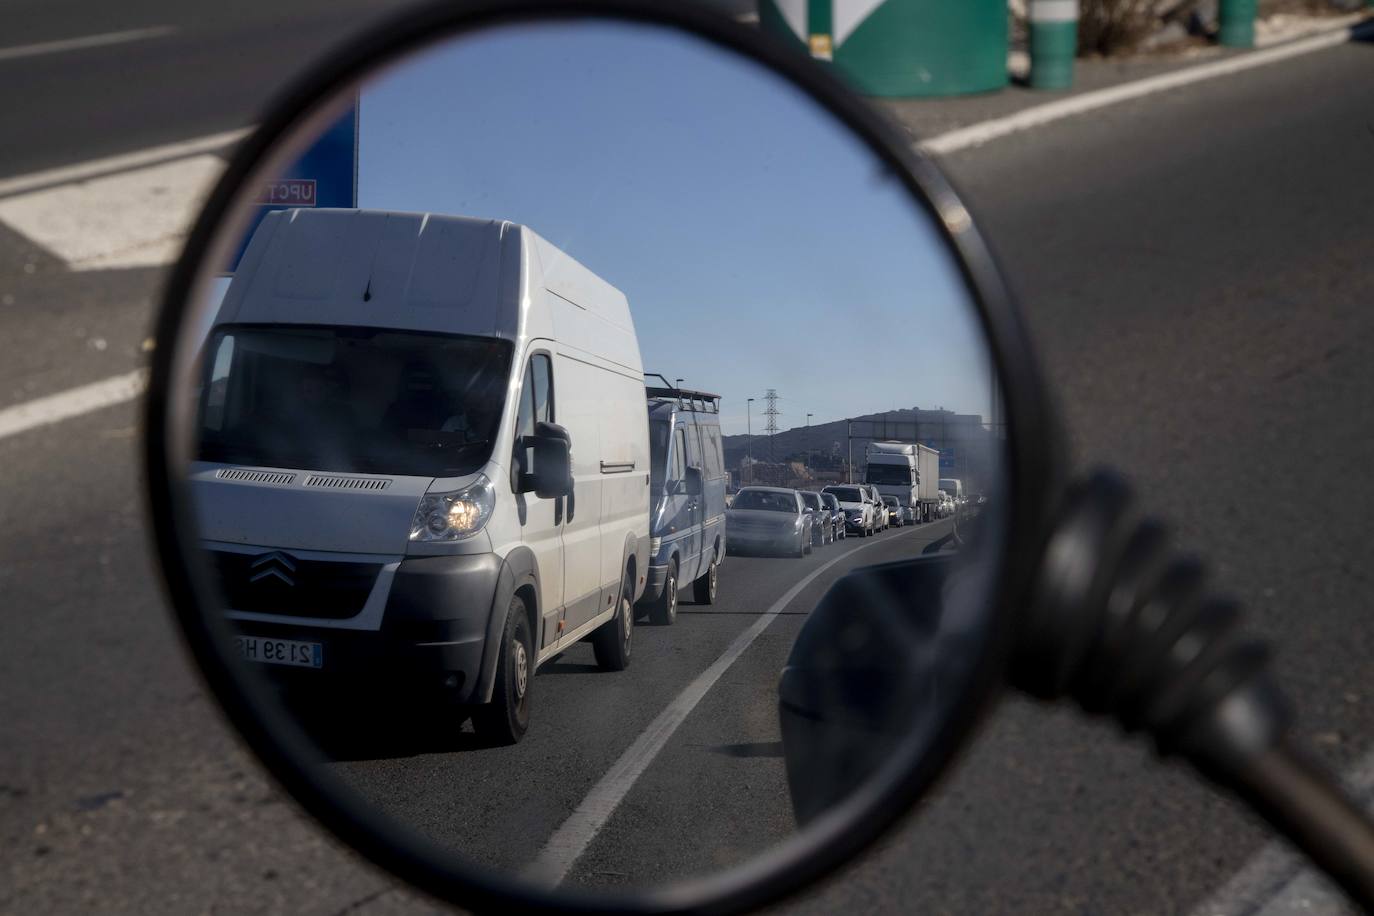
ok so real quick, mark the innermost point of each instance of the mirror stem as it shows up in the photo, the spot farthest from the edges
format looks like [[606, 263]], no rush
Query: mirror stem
[[1126, 627]]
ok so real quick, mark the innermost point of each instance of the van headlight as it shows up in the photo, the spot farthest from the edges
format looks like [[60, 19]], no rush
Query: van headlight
[[455, 515]]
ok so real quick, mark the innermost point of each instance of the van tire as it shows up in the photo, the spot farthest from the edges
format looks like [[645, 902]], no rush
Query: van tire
[[611, 641], [704, 588], [506, 718], [663, 612]]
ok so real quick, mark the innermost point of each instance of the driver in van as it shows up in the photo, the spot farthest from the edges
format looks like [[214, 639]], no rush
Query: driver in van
[[321, 403], [421, 404]]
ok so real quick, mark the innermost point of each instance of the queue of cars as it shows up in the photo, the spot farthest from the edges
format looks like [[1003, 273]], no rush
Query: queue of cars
[[781, 520]]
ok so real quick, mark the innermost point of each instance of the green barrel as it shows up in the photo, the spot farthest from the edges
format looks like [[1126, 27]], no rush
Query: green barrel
[[900, 48], [1236, 26]]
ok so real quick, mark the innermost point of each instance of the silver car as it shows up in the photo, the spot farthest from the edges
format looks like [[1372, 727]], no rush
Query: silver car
[[880, 522], [769, 520]]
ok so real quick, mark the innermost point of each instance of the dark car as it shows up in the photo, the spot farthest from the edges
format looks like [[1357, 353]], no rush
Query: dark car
[[822, 528], [895, 516], [839, 530], [768, 520]]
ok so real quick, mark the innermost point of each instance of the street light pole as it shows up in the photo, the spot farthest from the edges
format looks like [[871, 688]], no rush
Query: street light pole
[[749, 437], [806, 457]]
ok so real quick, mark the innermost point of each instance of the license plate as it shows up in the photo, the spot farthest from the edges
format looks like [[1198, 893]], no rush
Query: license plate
[[280, 651]]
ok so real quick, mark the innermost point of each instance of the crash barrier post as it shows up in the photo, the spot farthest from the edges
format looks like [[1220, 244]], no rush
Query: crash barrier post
[[1053, 43], [1236, 26]]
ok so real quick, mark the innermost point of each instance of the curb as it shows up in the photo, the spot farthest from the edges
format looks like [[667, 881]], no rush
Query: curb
[[1037, 115]]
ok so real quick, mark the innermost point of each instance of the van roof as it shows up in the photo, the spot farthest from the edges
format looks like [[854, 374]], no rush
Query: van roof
[[684, 398], [419, 271], [664, 409]]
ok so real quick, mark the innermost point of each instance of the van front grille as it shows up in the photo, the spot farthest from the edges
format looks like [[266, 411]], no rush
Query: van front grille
[[276, 582], [249, 476]]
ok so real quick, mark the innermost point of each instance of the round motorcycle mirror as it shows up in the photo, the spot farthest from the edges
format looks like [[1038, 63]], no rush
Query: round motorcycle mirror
[[573, 428]]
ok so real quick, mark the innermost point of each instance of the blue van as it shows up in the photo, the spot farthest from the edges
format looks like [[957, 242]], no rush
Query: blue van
[[687, 479]]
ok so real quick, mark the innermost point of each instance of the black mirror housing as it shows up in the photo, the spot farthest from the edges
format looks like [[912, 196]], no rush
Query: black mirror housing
[[552, 474]]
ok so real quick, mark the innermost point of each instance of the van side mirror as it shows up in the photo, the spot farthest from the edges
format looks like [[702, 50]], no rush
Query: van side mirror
[[552, 473], [862, 664], [693, 481]]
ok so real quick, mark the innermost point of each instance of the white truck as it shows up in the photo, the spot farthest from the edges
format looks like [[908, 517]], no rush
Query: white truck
[[906, 471], [955, 489], [928, 484]]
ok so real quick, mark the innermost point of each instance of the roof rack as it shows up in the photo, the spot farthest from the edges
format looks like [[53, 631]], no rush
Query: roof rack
[[687, 399]]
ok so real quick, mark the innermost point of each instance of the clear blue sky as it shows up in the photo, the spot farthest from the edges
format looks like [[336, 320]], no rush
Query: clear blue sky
[[758, 243]]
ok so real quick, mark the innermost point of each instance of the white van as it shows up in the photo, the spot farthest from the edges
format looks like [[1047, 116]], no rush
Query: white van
[[423, 456]]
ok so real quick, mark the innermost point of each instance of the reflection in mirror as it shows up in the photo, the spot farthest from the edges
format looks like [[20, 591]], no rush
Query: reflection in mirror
[[520, 478]]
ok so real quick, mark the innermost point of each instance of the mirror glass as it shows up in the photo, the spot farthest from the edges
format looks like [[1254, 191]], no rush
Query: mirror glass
[[611, 252]]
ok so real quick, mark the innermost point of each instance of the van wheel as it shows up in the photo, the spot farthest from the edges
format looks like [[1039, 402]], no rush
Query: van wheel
[[505, 719], [663, 612], [704, 588], [611, 641]]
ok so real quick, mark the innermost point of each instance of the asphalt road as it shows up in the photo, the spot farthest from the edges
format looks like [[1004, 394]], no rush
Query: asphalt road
[[716, 795], [213, 70], [1194, 268]]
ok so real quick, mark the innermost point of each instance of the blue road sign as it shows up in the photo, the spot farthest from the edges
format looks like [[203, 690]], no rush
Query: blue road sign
[[946, 463], [326, 175]]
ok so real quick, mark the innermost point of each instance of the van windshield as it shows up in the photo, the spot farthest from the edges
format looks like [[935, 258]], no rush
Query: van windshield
[[889, 474], [353, 400]]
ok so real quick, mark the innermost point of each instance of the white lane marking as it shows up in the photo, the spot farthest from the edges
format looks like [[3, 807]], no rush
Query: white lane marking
[[576, 833], [109, 165], [984, 131], [1308, 893], [72, 403], [1278, 880], [137, 218], [85, 41]]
